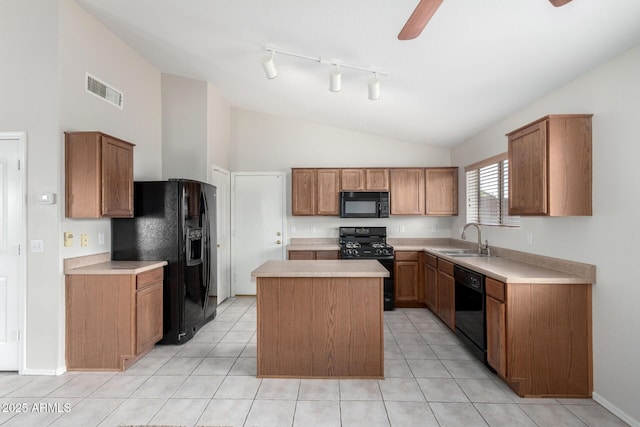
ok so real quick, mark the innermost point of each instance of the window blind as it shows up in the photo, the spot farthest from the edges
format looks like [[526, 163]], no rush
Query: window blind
[[488, 193]]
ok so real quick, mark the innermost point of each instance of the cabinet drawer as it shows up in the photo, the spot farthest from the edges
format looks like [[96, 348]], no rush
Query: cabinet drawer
[[150, 277], [431, 260], [406, 256], [494, 289], [445, 266]]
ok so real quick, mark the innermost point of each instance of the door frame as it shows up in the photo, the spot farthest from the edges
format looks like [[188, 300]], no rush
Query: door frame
[[233, 216], [212, 170], [21, 137]]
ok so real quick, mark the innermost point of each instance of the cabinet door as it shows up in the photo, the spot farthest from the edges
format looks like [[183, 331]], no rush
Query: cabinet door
[[446, 299], [327, 254], [407, 191], [148, 317], [303, 191], [328, 191], [441, 191], [376, 179], [307, 255], [117, 178], [406, 281], [496, 336], [431, 287], [528, 171], [352, 179]]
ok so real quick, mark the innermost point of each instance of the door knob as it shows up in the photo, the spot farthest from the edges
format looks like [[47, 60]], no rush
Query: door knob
[[278, 242]]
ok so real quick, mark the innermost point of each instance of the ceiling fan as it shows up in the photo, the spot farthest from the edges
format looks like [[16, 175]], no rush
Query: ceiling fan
[[425, 10]]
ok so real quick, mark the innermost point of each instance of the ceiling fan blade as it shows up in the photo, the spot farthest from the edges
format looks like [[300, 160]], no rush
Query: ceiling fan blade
[[419, 18], [558, 3]]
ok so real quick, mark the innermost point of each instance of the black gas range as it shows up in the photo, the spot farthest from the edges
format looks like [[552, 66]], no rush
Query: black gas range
[[364, 242], [370, 243]]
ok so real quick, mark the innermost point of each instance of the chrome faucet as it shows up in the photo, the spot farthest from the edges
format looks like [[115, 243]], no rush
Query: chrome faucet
[[482, 249]]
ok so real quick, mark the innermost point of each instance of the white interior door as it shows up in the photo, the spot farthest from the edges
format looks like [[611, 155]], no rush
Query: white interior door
[[222, 180], [258, 226], [11, 226]]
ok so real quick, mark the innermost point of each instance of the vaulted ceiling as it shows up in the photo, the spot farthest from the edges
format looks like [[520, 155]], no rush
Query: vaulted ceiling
[[475, 62]]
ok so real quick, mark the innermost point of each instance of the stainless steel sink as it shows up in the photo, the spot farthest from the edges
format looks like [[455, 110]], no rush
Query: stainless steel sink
[[463, 253]]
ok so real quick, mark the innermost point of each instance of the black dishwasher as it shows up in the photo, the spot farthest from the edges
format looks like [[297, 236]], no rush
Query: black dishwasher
[[470, 311]]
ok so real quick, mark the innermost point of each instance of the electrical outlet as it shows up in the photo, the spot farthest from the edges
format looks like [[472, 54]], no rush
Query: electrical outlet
[[313, 229], [401, 228], [68, 239], [530, 238], [101, 238], [433, 229], [84, 239], [293, 229]]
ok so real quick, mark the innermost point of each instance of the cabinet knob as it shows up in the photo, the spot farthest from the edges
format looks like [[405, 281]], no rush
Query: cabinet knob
[[278, 242], [219, 245], [278, 233]]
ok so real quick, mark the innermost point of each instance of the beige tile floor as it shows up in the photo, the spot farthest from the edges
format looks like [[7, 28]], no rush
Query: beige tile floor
[[431, 380]]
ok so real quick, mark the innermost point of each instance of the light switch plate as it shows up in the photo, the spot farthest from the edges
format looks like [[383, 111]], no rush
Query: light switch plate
[[37, 246]]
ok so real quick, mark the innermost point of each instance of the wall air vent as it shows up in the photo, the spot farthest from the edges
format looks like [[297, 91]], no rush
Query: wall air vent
[[104, 91]]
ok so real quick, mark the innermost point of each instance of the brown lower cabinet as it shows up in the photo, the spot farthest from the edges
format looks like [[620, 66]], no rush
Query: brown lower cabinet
[[309, 255], [431, 282], [112, 319], [539, 337], [407, 279], [446, 294]]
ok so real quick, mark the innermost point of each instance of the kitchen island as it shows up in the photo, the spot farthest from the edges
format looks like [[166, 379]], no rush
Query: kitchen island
[[320, 319]]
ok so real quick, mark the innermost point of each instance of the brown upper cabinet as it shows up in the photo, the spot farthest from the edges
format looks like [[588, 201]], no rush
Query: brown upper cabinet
[[406, 186], [98, 176], [550, 167], [315, 191], [360, 179], [441, 191]]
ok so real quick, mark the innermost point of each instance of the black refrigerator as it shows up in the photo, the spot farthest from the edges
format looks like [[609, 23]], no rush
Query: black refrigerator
[[174, 221]]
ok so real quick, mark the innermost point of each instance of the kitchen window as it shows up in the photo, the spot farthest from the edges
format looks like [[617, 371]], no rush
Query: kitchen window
[[488, 192]]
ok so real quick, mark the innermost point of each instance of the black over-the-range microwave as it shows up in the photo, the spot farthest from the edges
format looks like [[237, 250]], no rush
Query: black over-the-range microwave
[[364, 204]]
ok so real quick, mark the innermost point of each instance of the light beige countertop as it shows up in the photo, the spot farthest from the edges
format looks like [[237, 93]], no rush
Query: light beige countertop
[[317, 244], [508, 266], [321, 268], [102, 264]]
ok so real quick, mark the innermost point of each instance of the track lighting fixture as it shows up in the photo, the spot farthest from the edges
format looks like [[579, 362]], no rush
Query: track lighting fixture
[[374, 87], [269, 66], [335, 73], [335, 79]]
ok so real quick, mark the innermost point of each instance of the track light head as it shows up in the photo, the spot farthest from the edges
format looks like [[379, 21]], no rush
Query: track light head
[[269, 66], [374, 87], [335, 79]]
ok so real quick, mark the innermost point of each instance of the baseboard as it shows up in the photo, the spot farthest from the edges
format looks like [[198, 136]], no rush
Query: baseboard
[[615, 410], [58, 371]]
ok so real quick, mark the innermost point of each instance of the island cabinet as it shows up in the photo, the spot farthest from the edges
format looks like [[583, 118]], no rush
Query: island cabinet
[[361, 179], [431, 282], [441, 186], [550, 167], [406, 187], [407, 279], [320, 319], [112, 319], [310, 255], [315, 192], [539, 337], [446, 293], [98, 176]]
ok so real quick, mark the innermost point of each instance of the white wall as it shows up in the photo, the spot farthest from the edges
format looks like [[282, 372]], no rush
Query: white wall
[[609, 238], [184, 128], [29, 102], [218, 129], [87, 46], [46, 47], [262, 142]]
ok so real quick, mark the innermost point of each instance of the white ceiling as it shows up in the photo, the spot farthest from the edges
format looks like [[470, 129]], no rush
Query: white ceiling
[[476, 61]]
